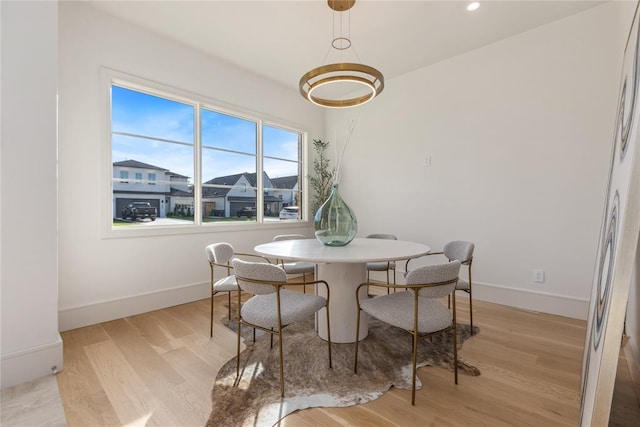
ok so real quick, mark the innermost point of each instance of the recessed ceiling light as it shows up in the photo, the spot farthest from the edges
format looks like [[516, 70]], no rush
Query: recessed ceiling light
[[473, 6]]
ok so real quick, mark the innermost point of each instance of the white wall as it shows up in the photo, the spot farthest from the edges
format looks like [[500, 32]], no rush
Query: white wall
[[105, 278], [519, 134], [31, 345]]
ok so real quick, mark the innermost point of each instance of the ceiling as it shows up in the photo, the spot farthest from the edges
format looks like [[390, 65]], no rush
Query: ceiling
[[282, 40]]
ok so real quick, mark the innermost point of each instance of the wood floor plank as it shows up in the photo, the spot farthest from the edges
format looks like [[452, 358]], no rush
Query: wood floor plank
[[130, 398], [79, 379], [167, 385], [154, 333], [199, 374], [93, 409]]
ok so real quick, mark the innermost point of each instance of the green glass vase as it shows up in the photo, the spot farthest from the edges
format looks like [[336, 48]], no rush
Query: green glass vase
[[335, 224]]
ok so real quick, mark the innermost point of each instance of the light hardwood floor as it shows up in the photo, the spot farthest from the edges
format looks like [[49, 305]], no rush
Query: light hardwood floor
[[158, 369]]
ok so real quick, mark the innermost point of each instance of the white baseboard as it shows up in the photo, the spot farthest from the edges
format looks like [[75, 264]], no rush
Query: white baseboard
[[560, 305], [104, 311], [27, 365]]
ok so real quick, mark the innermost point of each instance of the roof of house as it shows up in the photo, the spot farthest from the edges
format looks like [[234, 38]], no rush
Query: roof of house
[[226, 180], [137, 164], [287, 182], [176, 192], [230, 180], [140, 165], [176, 175], [233, 179]]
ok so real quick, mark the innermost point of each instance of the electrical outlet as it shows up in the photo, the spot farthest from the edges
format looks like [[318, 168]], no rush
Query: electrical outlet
[[427, 161], [538, 276]]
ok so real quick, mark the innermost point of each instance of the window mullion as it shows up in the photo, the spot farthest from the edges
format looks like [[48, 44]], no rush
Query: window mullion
[[197, 167], [259, 173]]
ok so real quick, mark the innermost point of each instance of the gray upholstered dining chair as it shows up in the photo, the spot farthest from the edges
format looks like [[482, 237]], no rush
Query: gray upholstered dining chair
[[297, 267], [272, 307], [220, 255], [386, 266], [462, 251], [417, 309]]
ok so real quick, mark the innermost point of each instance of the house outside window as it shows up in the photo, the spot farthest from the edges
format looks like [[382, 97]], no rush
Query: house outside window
[[239, 159]]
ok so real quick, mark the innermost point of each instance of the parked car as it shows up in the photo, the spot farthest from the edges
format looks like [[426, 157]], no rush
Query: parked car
[[137, 210], [289, 212], [248, 211]]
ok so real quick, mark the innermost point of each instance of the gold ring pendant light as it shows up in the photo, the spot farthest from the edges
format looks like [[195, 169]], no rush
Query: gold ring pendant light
[[354, 74]]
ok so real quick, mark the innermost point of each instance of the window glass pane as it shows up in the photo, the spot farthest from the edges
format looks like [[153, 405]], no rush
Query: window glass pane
[[282, 164], [280, 143], [230, 185], [218, 164], [143, 114], [160, 158], [228, 132], [281, 192], [160, 154], [228, 168], [180, 209]]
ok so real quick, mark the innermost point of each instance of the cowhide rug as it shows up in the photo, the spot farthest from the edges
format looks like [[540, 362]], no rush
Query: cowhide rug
[[384, 360]]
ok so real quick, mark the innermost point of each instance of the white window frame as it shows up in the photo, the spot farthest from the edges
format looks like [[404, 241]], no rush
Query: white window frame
[[112, 77]]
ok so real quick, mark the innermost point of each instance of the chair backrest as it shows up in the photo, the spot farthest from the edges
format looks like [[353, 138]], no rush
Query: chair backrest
[[460, 250], [219, 253], [289, 237], [257, 271], [446, 274], [382, 236]]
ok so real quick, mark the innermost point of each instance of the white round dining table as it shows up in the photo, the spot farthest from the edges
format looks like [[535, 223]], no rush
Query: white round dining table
[[343, 268]]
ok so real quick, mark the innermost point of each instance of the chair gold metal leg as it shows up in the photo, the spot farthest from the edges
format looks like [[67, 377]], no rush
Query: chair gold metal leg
[[471, 313], [355, 364], [470, 303], [212, 294], [388, 289], [278, 307], [281, 361], [211, 326], [415, 346], [238, 347], [394, 279], [414, 362], [455, 340], [329, 336]]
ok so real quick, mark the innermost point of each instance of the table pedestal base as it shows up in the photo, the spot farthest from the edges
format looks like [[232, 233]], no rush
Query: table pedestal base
[[343, 279]]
